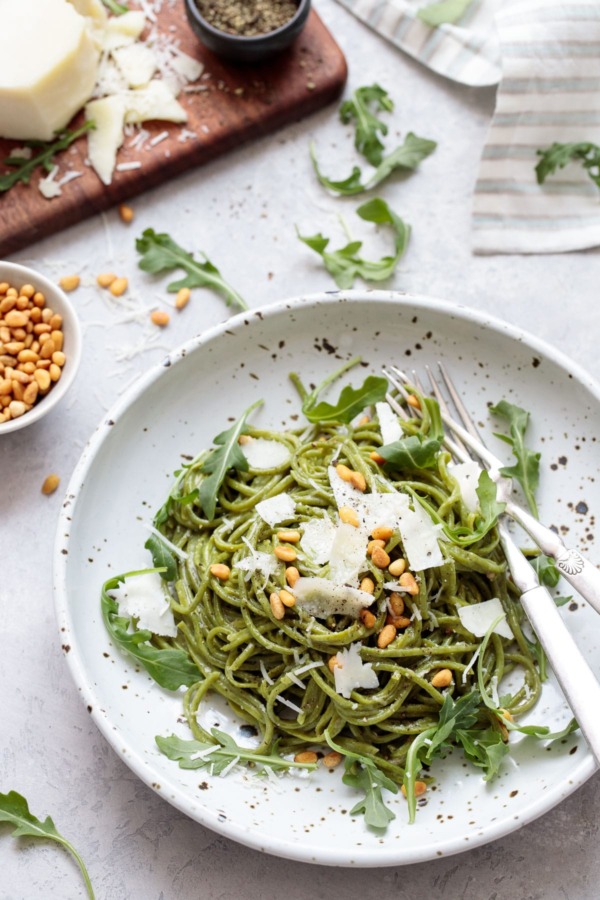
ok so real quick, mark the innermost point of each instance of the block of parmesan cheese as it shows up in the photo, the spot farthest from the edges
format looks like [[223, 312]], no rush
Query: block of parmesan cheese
[[48, 70]]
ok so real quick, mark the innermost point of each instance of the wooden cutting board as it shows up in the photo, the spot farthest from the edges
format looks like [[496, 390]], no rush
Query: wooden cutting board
[[239, 102]]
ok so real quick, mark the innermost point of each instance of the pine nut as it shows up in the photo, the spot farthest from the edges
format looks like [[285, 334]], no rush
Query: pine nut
[[57, 339], [399, 622], [291, 537], [59, 358], [413, 400], [105, 279], [397, 567], [118, 287], [358, 481], [55, 321], [54, 371], [367, 618], [349, 516], [442, 678], [292, 575], [160, 317], [364, 420], [376, 457], [4, 286], [396, 602], [182, 297], [30, 393], [285, 554], [382, 533], [380, 558], [277, 607], [332, 759], [17, 408], [43, 379], [367, 585], [126, 213], [50, 484], [286, 598], [7, 304], [28, 291], [47, 349], [332, 663], [419, 789], [344, 472], [386, 636], [220, 571], [407, 581], [16, 319], [70, 282], [373, 544], [306, 756]]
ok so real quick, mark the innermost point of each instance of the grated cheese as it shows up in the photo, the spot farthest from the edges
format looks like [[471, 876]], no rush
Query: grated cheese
[[48, 187], [143, 597], [276, 509], [478, 618], [264, 673], [321, 598], [265, 454], [351, 672], [389, 425], [289, 703]]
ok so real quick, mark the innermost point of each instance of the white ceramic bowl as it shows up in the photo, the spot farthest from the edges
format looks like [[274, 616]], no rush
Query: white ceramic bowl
[[57, 300]]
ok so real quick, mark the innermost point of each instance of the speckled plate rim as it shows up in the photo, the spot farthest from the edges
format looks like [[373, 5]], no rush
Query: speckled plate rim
[[178, 798]]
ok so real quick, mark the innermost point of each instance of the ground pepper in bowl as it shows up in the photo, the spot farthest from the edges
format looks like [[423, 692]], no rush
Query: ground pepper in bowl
[[247, 18]]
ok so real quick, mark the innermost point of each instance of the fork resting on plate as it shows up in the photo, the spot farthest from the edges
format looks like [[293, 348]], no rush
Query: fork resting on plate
[[578, 682]]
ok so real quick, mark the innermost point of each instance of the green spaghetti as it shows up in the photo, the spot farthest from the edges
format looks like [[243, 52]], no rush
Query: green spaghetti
[[242, 630]]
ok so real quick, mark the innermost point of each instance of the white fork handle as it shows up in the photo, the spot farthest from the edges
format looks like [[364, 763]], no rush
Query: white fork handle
[[572, 672], [578, 571]]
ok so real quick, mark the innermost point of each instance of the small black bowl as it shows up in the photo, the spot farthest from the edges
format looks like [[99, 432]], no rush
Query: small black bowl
[[247, 49]]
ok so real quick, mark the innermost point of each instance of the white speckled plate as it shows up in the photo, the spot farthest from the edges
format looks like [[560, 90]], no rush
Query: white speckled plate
[[124, 475]]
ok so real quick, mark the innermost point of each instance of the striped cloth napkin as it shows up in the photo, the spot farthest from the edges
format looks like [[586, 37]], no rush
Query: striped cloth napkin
[[545, 54]]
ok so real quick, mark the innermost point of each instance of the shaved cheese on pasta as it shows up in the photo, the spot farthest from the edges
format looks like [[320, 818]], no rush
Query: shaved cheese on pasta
[[467, 475], [317, 539], [478, 618], [388, 423], [143, 597], [265, 454], [276, 509], [321, 598], [420, 539], [348, 554], [351, 672]]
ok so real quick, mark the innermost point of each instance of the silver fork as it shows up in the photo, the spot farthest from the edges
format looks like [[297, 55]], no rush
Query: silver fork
[[576, 569], [578, 682]]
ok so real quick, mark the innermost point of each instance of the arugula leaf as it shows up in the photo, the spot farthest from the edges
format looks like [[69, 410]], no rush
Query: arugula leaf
[[228, 455], [171, 667], [418, 451], [406, 158], [562, 601], [445, 12], [363, 108], [116, 8], [558, 155], [541, 732], [160, 253], [345, 265], [351, 401], [15, 810], [363, 773], [24, 168], [484, 748], [527, 468], [162, 557], [545, 569], [220, 754]]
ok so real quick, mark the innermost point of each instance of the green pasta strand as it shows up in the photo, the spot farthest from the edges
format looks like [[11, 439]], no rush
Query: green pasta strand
[[275, 672]]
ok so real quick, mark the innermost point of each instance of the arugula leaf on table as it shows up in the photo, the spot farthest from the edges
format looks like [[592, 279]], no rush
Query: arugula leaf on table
[[558, 155], [24, 168], [160, 253], [445, 12], [418, 451], [118, 9], [227, 455], [162, 557], [351, 401], [221, 753], [405, 158], [527, 468], [345, 265], [363, 773], [366, 102], [14, 809], [170, 667]]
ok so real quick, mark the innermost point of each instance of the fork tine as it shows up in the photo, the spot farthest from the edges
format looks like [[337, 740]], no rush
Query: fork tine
[[443, 405], [457, 400]]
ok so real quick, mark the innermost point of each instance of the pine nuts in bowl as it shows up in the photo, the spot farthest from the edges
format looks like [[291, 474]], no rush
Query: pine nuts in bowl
[[40, 346]]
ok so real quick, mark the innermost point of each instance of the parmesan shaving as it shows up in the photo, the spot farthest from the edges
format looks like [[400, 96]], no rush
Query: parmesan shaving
[[348, 554], [276, 509], [321, 598], [317, 539], [264, 454], [143, 597], [389, 425], [478, 618], [466, 474], [351, 672]]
